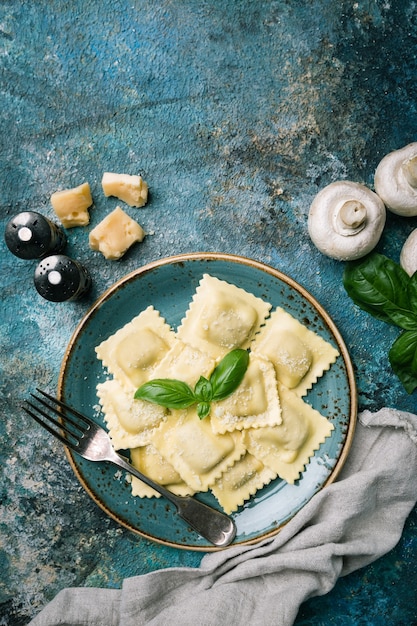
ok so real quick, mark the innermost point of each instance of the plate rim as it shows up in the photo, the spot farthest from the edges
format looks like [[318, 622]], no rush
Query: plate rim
[[241, 260]]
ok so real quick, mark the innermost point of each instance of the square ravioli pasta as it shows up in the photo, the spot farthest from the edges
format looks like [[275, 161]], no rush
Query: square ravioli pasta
[[198, 454], [253, 404], [185, 363], [130, 422], [300, 356], [222, 317], [286, 449], [148, 460], [132, 353], [241, 481]]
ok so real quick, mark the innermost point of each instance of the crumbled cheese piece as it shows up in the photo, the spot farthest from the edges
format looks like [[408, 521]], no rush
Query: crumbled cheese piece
[[71, 205], [131, 189], [114, 235]]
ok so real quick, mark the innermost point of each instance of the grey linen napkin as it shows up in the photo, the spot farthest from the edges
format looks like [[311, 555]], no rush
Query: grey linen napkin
[[347, 525]]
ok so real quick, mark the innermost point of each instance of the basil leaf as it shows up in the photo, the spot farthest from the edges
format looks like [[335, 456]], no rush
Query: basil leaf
[[403, 359], [412, 291], [203, 409], [172, 394], [175, 394], [380, 287], [203, 390], [229, 373], [407, 320]]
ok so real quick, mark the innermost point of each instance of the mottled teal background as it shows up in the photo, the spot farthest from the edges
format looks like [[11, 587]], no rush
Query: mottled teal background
[[236, 113]]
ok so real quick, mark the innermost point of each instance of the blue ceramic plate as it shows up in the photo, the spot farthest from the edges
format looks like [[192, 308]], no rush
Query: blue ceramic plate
[[169, 285]]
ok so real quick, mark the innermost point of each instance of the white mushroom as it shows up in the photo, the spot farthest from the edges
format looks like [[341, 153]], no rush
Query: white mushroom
[[396, 180], [408, 256], [346, 220]]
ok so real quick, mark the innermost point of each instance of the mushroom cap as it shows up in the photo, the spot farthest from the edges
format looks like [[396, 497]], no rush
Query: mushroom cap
[[346, 220], [408, 256], [396, 180]]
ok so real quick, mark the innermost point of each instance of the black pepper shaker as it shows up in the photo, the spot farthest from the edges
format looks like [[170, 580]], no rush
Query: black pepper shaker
[[30, 235], [59, 278]]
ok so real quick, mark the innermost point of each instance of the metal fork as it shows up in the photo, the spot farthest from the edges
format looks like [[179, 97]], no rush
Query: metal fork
[[92, 442]]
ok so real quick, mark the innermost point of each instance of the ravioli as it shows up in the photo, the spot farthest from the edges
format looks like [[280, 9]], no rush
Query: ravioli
[[148, 460], [262, 430], [255, 402], [222, 317], [299, 355], [194, 450], [130, 422], [133, 352], [184, 363], [241, 481], [287, 448]]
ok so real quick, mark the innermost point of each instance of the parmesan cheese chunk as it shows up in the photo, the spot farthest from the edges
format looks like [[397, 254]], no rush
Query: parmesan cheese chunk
[[71, 205], [114, 235], [130, 189]]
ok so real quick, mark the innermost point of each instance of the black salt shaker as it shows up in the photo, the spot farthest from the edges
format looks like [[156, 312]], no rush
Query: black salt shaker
[[59, 278], [30, 235]]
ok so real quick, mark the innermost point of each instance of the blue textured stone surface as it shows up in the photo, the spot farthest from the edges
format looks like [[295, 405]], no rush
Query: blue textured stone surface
[[236, 114]]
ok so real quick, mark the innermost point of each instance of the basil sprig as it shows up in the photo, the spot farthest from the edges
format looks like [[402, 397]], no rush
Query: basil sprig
[[383, 289], [222, 382]]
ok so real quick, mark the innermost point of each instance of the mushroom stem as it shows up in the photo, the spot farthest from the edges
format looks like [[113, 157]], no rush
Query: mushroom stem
[[350, 218], [410, 171]]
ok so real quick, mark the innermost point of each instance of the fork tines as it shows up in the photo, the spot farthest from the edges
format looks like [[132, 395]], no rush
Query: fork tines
[[69, 430]]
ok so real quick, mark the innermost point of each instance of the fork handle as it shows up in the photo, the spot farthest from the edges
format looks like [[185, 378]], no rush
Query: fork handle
[[213, 525], [210, 523]]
